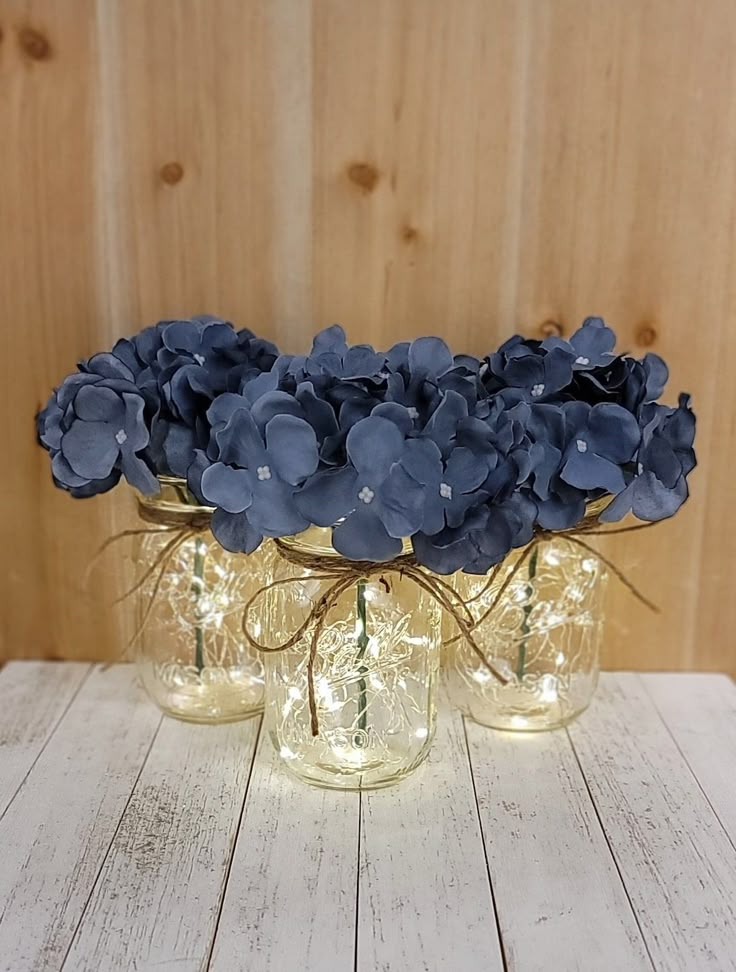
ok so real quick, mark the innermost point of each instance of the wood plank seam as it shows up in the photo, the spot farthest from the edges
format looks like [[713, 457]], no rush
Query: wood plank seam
[[357, 881], [686, 761], [610, 849], [234, 845], [501, 945], [47, 740], [112, 841]]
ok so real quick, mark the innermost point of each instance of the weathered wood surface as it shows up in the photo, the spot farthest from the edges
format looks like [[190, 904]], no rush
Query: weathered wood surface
[[465, 168], [136, 843]]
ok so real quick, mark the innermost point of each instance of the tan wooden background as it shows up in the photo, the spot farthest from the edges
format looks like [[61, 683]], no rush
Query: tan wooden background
[[460, 167]]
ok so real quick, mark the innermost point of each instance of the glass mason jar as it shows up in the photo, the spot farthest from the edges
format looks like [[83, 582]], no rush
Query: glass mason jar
[[192, 656], [375, 672], [544, 636]]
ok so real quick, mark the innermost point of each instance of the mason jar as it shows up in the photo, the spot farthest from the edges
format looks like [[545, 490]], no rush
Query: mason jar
[[543, 635], [375, 656], [193, 658]]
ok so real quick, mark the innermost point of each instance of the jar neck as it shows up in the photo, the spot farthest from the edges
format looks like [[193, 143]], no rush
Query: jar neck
[[174, 505], [318, 542]]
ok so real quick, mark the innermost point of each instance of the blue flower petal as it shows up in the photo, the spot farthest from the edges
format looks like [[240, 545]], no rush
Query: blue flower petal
[[373, 445], [108, 365], [362, 536], [138, 474], [586, 470], [328, 496], [274, 511], [272, 404], [227, 488], [443, 554], [361, 361], [64, 474], [178, 448], [654, 501], [90, 449], [136, 432], [612, 432], [422, 460], [234, 532], [292, 448], [562, 511], [240, 443], [401, 503], [465, 471], [443, 424], [94, 403], [430, 356], [398, 414], [331, 339]]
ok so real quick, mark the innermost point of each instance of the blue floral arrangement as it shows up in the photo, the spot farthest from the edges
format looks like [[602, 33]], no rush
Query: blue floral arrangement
[[465, 457]]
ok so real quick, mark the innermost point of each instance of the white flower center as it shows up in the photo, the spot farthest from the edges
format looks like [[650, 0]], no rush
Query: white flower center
[[582, 445], [199, 358], [263, 472], [413, 412], [366, 495], [581, 360], [120, 436], [537, 390], [445, 491]]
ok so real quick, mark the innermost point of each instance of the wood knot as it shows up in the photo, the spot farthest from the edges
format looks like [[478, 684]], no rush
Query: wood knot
[[646, 335], [409, 234], [364, 175], [171, 173], [34, 44], [551, 328]]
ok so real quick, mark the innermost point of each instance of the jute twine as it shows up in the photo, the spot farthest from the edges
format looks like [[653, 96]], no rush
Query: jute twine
[[180, 526]]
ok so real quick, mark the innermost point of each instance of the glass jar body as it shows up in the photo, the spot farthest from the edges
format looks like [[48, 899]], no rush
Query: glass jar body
[[543, 635], [376, 672], [192, 656]]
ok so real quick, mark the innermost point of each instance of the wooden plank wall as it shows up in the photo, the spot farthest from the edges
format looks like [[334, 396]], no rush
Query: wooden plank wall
[[403, 166]]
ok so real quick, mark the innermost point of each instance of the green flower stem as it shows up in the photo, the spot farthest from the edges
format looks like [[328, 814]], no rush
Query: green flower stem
[[362, 645], [531, 574], [197, 588]]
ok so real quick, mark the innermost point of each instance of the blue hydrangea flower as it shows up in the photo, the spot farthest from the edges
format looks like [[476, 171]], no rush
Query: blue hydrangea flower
[[451, 485], [333, 357], [421, 372], [528, 371], [95, 430], [658, 484], [599, 441], [372, 502], [253, 479], [591, 346]]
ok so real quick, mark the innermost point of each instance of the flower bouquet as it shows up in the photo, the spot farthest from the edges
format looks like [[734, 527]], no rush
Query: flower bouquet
[[409, 495]]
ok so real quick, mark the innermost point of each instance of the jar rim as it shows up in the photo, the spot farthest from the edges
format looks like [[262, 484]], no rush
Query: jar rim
[[174, 497], [318, 540]]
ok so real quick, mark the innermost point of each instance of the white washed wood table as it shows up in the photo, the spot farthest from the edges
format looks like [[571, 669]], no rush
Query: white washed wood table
[[129, 841]]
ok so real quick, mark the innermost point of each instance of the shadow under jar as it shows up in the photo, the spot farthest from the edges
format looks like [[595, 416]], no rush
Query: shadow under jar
[[376, 671], [544, 636], [193, 658]]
